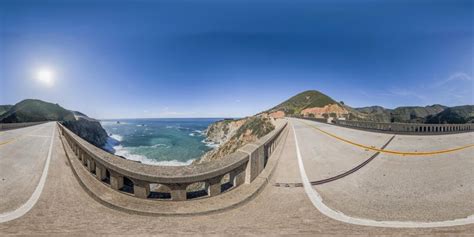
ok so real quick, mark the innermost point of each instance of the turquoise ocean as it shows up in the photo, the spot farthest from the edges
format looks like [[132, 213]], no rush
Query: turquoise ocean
[[159, 141]]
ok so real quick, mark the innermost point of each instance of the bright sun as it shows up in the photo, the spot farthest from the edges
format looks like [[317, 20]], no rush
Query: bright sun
[[45, 76]]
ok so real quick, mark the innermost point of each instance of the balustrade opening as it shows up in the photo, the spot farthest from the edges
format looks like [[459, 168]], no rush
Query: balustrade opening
[[159, 191], [196, 190], [127, 185], [226, 183]]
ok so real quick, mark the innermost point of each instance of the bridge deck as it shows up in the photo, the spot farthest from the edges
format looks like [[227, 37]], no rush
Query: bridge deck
[[65, 208], [436, 187], [22, 158]]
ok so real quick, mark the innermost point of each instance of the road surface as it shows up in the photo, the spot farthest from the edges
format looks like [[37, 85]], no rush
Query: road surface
[[65, 208]]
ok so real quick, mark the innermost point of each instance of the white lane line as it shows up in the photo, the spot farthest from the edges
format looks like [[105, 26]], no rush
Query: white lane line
[[28, 205], [317, 202]]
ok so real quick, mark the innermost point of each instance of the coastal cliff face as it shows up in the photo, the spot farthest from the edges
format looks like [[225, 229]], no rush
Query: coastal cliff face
[[221, 131], [330, 110], [230, 135], [31, 110], [89, 130]]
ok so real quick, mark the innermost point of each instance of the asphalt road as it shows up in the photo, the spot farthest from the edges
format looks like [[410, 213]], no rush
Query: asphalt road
[[23, 153], [64, 208], [428, 188]]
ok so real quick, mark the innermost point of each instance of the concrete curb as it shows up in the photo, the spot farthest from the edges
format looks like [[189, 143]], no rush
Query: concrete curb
[[120, 201]]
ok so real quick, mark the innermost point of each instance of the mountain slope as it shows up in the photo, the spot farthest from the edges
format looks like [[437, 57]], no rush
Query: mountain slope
[[457, 114], [230, 135], [404, 114], [303, 100], [35, 111], [4, 108]]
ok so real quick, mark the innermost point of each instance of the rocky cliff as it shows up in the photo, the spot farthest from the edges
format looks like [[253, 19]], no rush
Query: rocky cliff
[[36, 111], [221, 131], [89, 130], [230, 135]]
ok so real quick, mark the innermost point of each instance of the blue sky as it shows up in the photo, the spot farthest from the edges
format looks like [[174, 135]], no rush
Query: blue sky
[[209, 58]]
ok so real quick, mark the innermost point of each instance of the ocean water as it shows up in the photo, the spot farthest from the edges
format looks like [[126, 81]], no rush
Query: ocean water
[[158, 141]]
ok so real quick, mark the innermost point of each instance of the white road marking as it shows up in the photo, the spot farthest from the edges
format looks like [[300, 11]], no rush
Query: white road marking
[[317, 202], [28, 205]]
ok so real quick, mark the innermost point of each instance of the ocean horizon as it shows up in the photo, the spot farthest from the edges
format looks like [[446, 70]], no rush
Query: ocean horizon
[[159, 141]]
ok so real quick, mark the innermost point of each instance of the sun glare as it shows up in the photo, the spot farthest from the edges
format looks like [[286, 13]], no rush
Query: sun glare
[[45, 76]]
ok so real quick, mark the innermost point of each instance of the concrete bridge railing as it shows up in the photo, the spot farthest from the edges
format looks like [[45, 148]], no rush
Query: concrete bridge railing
[[5, 126], [402, 128], [173, 182]]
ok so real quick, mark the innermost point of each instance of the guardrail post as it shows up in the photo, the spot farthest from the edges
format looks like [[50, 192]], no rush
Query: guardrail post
[[141, 189], [178, 191], [214, 186], [116, 180], [237, 176], [256, 161], [100, 172], [91, 165]]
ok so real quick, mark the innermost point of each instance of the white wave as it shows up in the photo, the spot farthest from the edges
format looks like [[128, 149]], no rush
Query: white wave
[[210, 144], [124, 152], [191, 134], [117, 137], [158, 145]]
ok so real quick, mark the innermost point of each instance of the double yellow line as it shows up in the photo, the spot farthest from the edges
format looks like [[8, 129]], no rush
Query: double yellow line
[[401, 153]]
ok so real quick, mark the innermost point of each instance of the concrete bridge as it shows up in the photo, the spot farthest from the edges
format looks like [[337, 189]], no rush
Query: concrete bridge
[[305, 177]]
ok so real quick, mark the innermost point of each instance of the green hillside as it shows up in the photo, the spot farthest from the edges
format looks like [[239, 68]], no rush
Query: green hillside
[[34, 111], [307, 99], [404, 114], [4, 108], [458, 114]]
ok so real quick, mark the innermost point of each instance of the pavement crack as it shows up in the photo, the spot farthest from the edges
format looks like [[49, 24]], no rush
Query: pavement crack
[[339, 176]]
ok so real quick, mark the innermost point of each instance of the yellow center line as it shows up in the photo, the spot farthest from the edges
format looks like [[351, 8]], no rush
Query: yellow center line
[[18, 137], [5, 142], [402, 153]]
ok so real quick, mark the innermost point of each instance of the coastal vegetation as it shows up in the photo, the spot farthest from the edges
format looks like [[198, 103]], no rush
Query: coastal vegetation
[[35, 111], [4, 109], [233, 134], [31, 110]]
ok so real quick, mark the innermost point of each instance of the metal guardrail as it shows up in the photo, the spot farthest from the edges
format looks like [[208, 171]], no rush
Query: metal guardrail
[[401, 128], [171, 182]]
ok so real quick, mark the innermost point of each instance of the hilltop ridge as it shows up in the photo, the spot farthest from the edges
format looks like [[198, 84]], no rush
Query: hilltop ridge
[[33, 110]]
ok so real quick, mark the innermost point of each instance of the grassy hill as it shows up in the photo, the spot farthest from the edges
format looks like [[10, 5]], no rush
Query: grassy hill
[[4, 108], [404, 114], [457, 114], [34, 111], [301, 101]]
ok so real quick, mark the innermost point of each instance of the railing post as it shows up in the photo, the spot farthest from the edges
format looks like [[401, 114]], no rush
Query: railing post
[[178, 191], [141, 189], [116, 180], [91, 164], [214, 186], [237, 176], [256, 161], [100, 172]]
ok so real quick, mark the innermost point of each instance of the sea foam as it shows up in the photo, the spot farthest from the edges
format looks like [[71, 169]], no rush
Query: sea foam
[[123, 151]]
